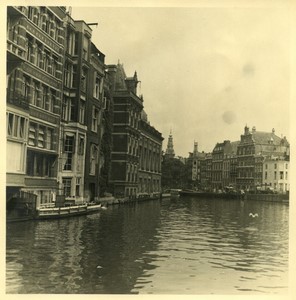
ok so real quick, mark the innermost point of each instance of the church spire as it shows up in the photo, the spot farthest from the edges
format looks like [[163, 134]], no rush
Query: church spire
[[170, 152]]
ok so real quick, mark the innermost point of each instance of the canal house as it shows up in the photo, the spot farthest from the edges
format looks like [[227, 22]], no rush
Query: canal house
[[126, 132], [136, 145], [35, 47], [150, 152], [254, 148]]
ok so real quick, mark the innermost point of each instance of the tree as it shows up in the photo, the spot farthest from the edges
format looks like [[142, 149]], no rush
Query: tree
[[174, 174]]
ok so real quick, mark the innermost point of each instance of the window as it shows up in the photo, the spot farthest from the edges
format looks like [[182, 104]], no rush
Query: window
[[49, 134], [97, 87], [16, 126], [78, 183], [67, 186], [30, 49], [95, 115], [50, 100], [274, 174], [32, 134], [81, 111], [48, 25], [286, 175], [43, 97], [31, 13], [68, 110], [76, 44], [41, 137], [74, 76], [26, 87], [81, 145], [38, 165], [265, 175], [40, 57], [54, 64], [52, 29], [275, 166], [93, 159], [67, 75], [266, 166], [43, 21], [281, 175], [48, 167], [69, 150], [37, 96], [57, 31], [47, 61], [36, 15], [70, 42]]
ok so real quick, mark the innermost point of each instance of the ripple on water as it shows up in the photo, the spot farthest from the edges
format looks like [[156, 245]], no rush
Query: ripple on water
[[186, 246]]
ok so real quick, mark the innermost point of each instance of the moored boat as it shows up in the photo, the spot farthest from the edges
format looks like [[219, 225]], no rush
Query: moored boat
[[171, 193], [66, 211]]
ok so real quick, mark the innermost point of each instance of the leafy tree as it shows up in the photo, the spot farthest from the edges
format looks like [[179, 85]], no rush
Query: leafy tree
[[174, 174]]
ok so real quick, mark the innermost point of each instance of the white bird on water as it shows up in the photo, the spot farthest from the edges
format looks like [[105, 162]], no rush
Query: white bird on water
[[253, 215]]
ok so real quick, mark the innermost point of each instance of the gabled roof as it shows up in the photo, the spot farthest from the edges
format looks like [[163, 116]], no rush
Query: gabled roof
[[263, 138]]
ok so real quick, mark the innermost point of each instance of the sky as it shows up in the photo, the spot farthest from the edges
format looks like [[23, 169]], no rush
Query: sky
[[205, 72]]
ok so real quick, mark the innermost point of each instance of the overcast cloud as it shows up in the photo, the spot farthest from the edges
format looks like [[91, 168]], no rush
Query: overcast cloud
[[205, 72]]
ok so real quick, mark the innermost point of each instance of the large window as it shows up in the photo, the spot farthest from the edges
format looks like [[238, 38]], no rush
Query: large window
[[67, 186], [95, 117], [69, 151], [40, 165], [68, 112], [16, 126], [81, 145], [98, 85], [40, 136], [68, 75], [81, 111], [32, 134], [47, 61], [30, 49], [78, 184], [48, 141], [26, 87]]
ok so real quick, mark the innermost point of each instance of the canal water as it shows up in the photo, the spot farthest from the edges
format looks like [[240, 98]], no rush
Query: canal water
[[168, 246]]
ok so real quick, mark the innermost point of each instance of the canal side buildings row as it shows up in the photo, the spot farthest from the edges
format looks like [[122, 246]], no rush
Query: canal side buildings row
[[258, 161], [75, 126]]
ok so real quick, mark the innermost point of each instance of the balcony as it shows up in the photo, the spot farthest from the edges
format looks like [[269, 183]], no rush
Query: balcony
[[17, 99], [15, 55]]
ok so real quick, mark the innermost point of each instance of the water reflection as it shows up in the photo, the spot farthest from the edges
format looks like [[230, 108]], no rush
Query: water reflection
[[178, 246]]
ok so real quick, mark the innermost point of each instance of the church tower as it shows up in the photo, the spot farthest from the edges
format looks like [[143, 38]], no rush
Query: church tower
[[170, 152]]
